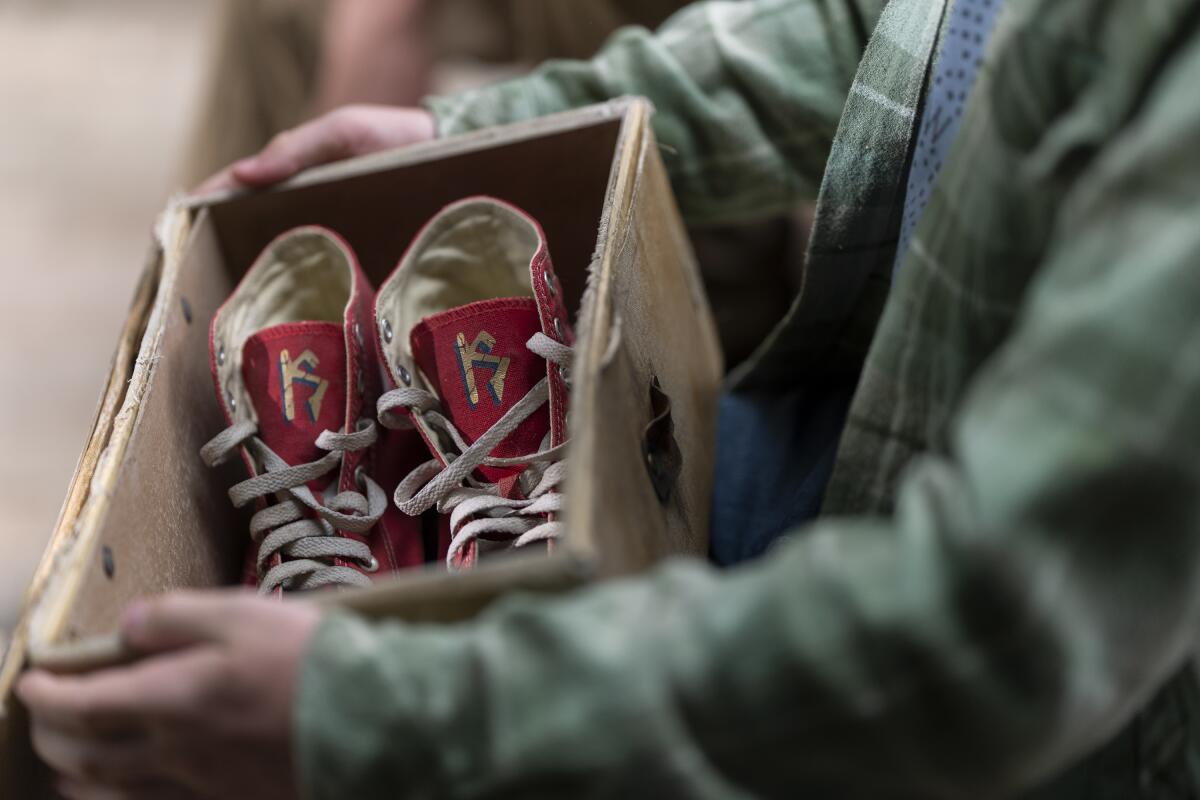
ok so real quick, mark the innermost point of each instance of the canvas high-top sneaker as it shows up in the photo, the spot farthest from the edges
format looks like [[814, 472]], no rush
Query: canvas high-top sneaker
[[476, 340], [296, 374]]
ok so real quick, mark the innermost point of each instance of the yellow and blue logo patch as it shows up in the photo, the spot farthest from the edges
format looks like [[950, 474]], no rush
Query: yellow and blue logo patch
[[479, 356]]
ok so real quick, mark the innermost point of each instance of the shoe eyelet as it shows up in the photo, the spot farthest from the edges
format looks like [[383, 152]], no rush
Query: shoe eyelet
[[360, 381], [387, 331], [371, 565], [231, 400], [358, 334], [549, 280], [405, 376], [558, 328], [220, 355], [360, 474]]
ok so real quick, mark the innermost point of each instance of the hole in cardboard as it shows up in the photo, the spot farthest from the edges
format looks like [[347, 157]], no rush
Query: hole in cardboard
[[663, 460]]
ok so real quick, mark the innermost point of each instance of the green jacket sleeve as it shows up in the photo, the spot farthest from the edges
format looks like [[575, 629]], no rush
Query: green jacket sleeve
[[1036, 582], [748, 96]]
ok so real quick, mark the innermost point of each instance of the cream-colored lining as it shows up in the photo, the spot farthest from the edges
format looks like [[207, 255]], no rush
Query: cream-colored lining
[[474, 250], [304, 276]]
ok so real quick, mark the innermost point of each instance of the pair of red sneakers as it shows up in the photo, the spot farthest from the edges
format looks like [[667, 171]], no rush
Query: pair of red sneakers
[[446, 389]]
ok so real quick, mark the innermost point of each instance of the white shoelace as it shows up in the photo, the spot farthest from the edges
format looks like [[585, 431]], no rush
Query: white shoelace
[[307, 543], [477, 508]]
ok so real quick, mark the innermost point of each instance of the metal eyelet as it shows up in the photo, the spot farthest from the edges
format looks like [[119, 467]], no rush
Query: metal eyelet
[[549, 280], [220, 355], [405, 376], [371, 565], [360, 381], [358, 334], [231, 400], [387, 331], [558, 328]]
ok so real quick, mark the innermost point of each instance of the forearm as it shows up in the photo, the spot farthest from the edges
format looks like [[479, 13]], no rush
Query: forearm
[[374, 53], [866, 660], [748, 96]]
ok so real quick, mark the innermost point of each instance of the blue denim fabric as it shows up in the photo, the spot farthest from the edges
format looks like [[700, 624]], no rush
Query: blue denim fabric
[[775, 453], [970, 27]]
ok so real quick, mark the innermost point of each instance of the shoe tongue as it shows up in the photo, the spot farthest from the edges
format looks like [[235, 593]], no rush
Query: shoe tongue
[[475, 359], [295, 375]]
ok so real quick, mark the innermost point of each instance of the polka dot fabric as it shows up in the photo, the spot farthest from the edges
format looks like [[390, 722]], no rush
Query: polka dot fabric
[[970, 26]]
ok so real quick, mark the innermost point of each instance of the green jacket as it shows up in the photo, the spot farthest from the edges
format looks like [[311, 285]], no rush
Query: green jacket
[[1002, 595]]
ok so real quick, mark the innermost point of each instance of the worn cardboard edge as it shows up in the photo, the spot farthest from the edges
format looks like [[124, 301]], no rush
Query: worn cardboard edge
[[63, 567], [596, 316], [111, 397]]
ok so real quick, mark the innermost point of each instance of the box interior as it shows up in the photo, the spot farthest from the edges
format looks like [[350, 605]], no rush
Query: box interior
[[560, 178], [165, 504]]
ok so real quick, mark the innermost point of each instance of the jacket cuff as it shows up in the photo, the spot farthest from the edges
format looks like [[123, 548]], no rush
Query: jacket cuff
[[499, 104]]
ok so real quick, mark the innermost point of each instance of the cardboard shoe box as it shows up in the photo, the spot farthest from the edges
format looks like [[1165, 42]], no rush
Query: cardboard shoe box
[[143, 514]]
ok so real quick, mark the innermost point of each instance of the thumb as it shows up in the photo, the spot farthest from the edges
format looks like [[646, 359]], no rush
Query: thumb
[[180, 619]]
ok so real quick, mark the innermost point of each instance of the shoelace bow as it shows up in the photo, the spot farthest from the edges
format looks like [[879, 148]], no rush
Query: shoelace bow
[[477, 507], [299, 526]]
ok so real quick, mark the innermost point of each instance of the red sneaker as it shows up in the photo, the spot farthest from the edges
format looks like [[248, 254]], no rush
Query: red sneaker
[[477, 346], [295, 369]]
